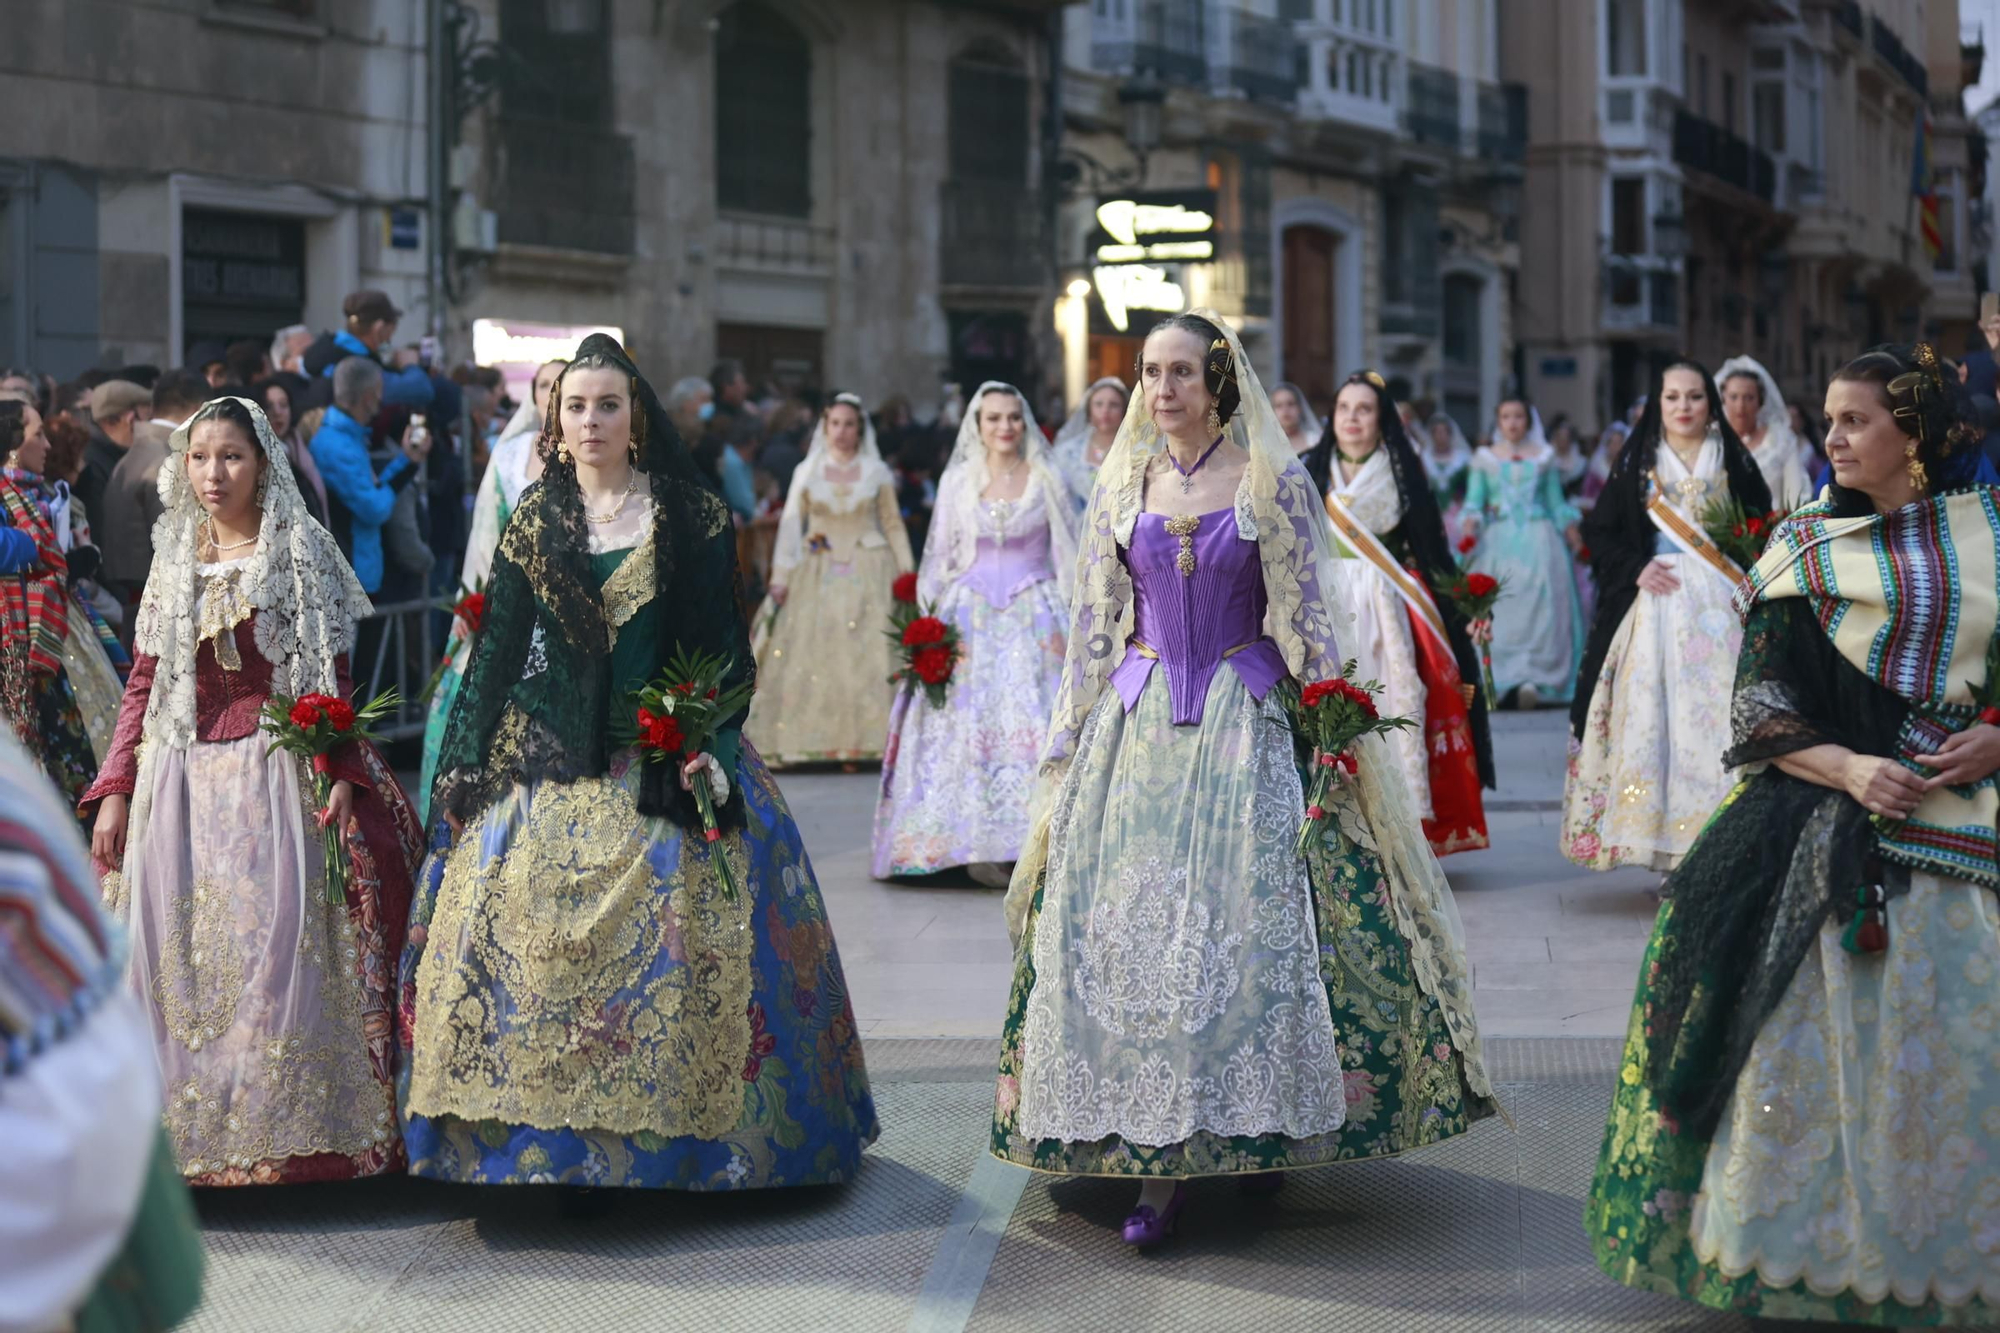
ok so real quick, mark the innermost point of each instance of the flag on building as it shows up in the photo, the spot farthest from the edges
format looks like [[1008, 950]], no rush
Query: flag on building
[[1924, 186]]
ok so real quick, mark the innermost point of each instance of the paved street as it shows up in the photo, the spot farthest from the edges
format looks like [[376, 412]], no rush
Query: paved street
[[1478, 1234]]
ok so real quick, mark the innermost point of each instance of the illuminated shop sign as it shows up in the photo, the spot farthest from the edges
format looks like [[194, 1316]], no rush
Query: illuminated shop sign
[[1165, 227], [518, 349], [1127, 287]]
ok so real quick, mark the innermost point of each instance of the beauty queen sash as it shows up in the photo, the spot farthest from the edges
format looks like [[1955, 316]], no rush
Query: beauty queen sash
[[1689, 536], [1909, 598], [1370, 548]]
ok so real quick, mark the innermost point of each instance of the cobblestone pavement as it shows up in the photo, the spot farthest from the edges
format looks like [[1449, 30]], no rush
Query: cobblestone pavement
[[1482, 1233]]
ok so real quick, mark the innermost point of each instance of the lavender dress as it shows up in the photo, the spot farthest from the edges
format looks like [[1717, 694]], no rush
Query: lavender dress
[[956, 779]]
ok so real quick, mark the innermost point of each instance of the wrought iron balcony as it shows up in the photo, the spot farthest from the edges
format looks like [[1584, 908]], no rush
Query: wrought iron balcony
[[540, 163], [1163, 38], [1890, 47], [1431, 115], [991, 234], [1702, 145], [1261, 53]]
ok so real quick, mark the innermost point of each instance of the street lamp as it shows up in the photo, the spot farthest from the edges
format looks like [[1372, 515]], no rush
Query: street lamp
[[1079, 287]]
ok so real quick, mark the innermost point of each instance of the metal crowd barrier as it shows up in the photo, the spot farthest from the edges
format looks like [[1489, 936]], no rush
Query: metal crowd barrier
[[401, 644]]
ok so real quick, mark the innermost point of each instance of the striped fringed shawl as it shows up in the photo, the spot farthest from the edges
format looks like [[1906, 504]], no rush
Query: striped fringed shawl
[[1909, 598], [34, 598]]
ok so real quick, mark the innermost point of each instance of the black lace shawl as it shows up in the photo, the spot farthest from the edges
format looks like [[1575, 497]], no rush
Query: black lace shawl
[[1620, 536], [1420, 541], [1778, 859], [537, 701]]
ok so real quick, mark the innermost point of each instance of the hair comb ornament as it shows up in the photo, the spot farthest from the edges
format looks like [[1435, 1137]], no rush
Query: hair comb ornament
[[1374, 377]]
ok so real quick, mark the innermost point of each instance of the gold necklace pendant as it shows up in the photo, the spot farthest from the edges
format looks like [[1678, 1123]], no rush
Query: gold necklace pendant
[[1184, 526], [631, 482]]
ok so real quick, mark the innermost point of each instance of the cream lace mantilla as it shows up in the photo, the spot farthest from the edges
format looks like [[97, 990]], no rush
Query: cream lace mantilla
[[296, 583]]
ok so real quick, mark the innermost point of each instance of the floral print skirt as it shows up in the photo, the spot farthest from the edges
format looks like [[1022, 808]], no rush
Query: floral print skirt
[[1402, 1080], [583, 1003], [1855, 1175], [1648, 772]]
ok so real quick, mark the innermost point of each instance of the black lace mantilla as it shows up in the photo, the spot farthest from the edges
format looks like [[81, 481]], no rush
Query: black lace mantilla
[[537, 701], [1779, 859]]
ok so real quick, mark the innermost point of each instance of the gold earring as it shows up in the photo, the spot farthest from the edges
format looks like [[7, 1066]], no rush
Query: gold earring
[[1918, 476], [1214, 420]]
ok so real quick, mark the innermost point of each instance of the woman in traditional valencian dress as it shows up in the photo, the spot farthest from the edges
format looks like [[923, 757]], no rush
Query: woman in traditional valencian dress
[[92, 657], [997, 564], [1390, 542], [1757, 412], [1807, 1125], [1650, 716], [1086, 437], [823, 653], [271, 1006], [515, 462], [37, 695], [1191, 997], [1448, 462], [1514, 505], [584, 1000], [1303, 430]]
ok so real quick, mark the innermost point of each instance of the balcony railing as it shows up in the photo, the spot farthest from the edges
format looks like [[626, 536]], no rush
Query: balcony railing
[[1641, 293], [1431, 114], [1503, 122], [778, 243], [1890, 47], [1704, 146], [1163, 38], [990, 234], [540, 163], [1260, 54]]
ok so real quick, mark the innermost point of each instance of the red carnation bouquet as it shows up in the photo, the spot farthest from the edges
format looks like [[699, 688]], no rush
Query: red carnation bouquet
[[1475, 595], [926, 643], [468, 612], [1738, 533], [311, 726], [677, 716], [1333, 715]]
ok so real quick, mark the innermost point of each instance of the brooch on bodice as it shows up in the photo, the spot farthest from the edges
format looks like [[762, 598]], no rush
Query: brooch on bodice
[[1184, 526]]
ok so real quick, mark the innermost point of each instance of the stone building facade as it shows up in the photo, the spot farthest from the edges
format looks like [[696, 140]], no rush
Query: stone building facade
[[843, 194], [205, 169]]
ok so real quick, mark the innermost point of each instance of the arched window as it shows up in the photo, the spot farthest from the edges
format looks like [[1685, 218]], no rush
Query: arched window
[[763, 113]]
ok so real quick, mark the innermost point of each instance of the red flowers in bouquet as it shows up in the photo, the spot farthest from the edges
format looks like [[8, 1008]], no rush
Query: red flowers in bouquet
[[926, 645], [1737, 533], [1468, 544], [311, 726], [1333, 715], [904, 589], [677, 717], [1475, 595]]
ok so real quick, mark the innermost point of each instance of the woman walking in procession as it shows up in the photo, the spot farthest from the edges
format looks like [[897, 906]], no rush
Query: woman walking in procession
[[1084, 440], [1757, 411], [1526, 532], [1390, 544], [997, 564], [823, 661], [1806, 1126], [1650, 716], [1191, 997], [585, 1000], [515, 464], [271, 1004]]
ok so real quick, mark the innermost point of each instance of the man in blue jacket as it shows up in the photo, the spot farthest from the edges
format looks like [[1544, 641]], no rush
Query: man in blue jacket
[[371, 332], [360, 500]]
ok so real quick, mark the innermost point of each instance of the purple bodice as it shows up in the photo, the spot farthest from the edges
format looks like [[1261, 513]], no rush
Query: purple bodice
[[1003, 569], [1189, 625]]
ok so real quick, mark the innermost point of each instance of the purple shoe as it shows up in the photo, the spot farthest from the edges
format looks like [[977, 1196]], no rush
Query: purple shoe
[[1146, 1227], [1262, 1185]]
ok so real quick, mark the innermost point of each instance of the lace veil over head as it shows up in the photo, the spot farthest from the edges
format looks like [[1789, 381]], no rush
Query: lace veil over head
[[1773, 417], [953, 540], [875, 474], [295, 581]]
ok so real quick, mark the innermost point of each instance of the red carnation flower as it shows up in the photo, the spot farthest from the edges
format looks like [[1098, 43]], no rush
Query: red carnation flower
[[471, 609], [305, 714], [904, 589], [923, 630], [1481, 585], [932, 665], [341, 714], [1756, 526], [1312, 694], [659, 731], [1466, 544]]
